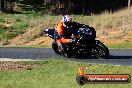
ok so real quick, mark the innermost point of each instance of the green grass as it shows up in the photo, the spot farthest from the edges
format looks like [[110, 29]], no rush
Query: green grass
[[30, 46], [33, 23], [124, 45], [2, 20], [21, 23], [59, 73], [19, 26]]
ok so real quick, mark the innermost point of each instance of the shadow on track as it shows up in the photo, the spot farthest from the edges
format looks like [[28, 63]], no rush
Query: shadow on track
[[120, 57], [111, 57], [114, 60]]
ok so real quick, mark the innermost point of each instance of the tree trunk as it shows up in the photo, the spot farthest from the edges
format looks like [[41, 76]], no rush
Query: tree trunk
[[2, 5], [129, 3]]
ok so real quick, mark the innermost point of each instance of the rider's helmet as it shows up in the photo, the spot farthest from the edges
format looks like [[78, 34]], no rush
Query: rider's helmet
[[67, 18]]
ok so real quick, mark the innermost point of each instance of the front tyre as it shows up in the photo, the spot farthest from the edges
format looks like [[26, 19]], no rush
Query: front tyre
[[100, 50], [61, 53], [55, 48]]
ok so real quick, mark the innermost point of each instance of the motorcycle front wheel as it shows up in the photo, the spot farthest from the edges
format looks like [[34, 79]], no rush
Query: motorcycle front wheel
[[61, 53], [55, 48]]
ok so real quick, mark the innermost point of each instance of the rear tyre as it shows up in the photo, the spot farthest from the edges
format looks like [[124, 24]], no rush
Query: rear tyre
[[100, 51]]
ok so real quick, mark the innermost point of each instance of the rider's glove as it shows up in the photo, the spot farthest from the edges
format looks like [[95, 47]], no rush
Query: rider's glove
[[45, 31], [73, 40]]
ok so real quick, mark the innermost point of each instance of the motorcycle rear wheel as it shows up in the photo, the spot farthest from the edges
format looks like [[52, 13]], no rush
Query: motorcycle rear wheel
[[100, 51]]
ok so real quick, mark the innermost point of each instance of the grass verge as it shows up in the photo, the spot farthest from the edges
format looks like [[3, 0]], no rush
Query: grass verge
[[58, 73], [23, 29], [124, 45], [29, 46]]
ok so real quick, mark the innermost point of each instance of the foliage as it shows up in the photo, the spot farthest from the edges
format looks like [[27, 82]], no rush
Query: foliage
[[11, 26], [19, 26], [2, 20], [85, 7]]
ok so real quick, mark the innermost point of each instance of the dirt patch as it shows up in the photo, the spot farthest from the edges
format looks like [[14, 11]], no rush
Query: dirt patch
[[16, 66], [42, 41], [114, 36], [46, 41], [6, 25]]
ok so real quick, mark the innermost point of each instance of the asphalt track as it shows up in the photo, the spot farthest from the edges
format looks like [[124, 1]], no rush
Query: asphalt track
[[117, 56]]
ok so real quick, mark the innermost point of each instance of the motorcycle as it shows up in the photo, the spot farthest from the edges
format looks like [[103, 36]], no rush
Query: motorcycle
[[85, 44]]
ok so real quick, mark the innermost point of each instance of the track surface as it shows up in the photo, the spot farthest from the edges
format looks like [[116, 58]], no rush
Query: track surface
[[117, 56]]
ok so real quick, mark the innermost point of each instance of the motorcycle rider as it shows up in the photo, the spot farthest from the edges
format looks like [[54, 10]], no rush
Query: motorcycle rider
[[59, 31]]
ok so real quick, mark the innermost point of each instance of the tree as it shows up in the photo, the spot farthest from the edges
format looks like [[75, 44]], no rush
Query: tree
[[2, 5]]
